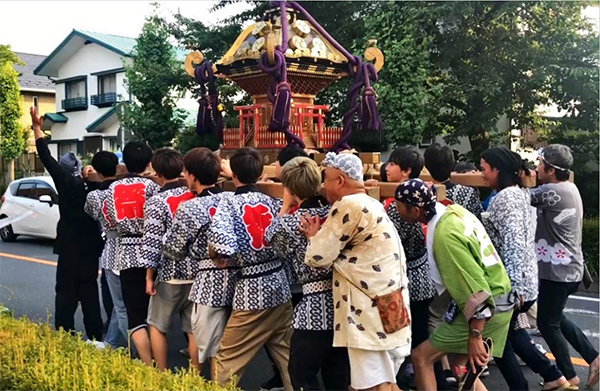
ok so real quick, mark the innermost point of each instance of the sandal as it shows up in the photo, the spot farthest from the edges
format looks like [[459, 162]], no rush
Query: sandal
[[565, 387], [468, 378]]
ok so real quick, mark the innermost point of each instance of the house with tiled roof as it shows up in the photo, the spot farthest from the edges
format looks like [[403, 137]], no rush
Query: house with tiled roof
[[87, 71], [36, 90]]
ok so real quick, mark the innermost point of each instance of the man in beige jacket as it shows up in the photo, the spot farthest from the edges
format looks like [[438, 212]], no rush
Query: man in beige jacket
[[360, 243]]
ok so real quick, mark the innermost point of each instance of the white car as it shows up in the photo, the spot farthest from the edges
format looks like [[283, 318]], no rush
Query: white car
[[31, 206]]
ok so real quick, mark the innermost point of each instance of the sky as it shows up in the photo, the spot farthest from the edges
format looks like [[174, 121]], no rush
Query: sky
[[38, 27]]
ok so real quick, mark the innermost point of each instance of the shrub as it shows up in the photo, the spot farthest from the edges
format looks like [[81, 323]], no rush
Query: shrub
[[35, 357], [187, 139], [589, 244]]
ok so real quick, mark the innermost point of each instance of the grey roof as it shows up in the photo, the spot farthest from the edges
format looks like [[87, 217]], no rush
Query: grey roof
[[29, 81]]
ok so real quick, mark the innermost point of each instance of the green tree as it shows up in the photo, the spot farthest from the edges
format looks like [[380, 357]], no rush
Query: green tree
[[155, 79], [409, 86], [13, 138], [502, 58], [213, 42]]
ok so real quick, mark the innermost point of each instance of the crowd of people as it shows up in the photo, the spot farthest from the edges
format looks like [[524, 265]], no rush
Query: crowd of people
[[327, 279]]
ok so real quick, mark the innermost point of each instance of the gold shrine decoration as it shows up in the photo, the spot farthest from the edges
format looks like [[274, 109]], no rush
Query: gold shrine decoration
[[271, 47], [374, 55], [194, 59]]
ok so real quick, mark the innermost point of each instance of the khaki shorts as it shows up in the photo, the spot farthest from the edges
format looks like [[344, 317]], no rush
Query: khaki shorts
[[208, 324], [437, 309], [170, 299]]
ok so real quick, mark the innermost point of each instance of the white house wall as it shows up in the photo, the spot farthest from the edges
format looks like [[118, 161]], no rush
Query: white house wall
[[88, 59]]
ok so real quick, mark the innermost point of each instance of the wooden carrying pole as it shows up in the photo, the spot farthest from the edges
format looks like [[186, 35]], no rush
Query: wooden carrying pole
[[380, 191]]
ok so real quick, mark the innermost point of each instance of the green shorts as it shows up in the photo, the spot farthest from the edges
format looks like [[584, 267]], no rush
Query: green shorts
[[454, 337]]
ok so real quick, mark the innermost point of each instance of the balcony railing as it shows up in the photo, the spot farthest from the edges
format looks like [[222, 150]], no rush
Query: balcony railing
[[104, 100], [74, 104]]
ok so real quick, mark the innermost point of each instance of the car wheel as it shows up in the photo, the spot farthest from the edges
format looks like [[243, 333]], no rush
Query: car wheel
[[7, 235]]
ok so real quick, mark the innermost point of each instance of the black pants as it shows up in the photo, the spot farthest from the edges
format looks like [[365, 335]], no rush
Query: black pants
[[557, 330], [106, 297], [519, 342], [133, 287], [311, 352], [419, 313], [74, 287]]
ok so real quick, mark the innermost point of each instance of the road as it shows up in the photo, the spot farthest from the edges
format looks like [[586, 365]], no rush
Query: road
[[27, 277]]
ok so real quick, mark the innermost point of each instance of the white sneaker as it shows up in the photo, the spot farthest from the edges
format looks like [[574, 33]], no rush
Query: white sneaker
[[540, 348], [98, 345]]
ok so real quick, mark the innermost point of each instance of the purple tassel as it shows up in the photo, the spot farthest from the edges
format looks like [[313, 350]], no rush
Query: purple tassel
[[370, 115], [203, 123], [281, 108]]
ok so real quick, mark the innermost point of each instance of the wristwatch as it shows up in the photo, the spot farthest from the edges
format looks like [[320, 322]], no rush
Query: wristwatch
[[475, 333]]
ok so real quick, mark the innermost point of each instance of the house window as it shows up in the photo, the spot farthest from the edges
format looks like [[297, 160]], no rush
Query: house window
[[75, 95], [107, 84], [75, 89], [66, 147], [112, 145], [35, 102]]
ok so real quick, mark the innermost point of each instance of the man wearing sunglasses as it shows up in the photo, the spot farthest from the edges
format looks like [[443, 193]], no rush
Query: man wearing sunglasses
[[560, 259]]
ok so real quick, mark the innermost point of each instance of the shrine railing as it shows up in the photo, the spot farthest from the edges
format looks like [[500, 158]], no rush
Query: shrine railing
[[306, 122]]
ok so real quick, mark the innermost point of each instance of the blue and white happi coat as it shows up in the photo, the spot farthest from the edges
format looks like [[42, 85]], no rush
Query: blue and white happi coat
[[95, 207], [421, 285], [238, 232], [125, 202], [158, 218], [187, 241], [315, 310]]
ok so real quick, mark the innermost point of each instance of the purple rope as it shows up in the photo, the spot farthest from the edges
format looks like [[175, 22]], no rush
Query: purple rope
[[367, 106], [279, 92], [355, 105], [204, 75]]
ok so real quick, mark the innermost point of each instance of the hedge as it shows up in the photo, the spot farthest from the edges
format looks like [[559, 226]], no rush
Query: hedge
[[590, 242], [36, 357]]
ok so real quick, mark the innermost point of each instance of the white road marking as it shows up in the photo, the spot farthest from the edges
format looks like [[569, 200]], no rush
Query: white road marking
[[580, 312], [584, 298]]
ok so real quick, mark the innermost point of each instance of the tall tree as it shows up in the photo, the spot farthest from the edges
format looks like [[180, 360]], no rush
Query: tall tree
[[155, 80], [501, 58], [13, 138], [409, 86]]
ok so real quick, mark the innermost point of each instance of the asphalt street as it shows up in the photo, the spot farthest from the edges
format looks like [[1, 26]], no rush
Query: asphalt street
[[27, 277]]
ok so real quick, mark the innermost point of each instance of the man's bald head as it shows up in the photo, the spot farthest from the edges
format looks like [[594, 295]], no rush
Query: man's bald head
[[338, 184]]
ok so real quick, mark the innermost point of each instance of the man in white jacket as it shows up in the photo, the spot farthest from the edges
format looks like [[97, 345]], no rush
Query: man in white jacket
[[360, 243]]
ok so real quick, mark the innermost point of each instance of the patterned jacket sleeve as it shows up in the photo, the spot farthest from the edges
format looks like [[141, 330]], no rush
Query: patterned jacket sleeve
[[181, 235], [93, 204], [222, 236], [278, 236], [392, 211], [339, 229], [474, 203], [154, 230], [506, 220]]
